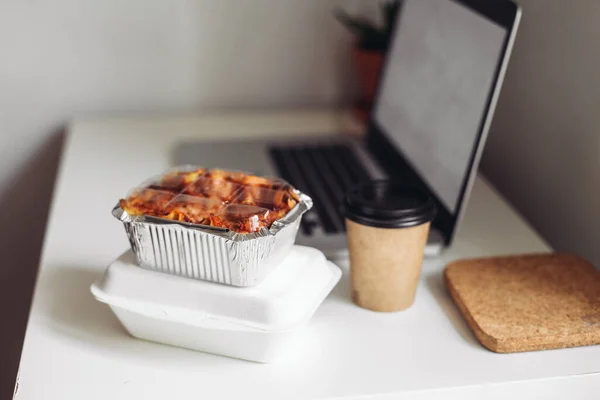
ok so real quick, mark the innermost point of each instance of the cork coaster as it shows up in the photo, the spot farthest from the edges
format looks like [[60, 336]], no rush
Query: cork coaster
[[528, 302]]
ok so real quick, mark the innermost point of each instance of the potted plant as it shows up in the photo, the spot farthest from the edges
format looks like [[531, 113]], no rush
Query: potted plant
[[372, 41]]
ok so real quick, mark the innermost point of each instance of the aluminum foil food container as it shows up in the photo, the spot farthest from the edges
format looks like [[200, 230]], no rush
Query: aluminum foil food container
[[212, 253]]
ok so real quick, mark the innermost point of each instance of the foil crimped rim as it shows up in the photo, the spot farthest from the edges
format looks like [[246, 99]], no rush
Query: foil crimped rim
[[305, 203]]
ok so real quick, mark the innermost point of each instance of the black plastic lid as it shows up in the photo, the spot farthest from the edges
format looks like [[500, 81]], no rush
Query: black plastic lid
[[388, 204]]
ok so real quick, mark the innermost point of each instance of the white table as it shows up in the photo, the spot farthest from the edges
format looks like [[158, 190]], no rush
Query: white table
[[76, 349]]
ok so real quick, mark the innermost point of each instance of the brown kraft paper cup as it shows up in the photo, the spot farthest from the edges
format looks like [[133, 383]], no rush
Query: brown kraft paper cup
[[385, 265], [385, 260]]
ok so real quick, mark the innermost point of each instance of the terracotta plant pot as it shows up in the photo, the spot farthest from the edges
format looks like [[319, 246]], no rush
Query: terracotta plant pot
[[368, 66]]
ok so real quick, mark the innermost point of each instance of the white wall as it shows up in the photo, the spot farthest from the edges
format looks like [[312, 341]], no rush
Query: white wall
[[544, 149], [70, 57]]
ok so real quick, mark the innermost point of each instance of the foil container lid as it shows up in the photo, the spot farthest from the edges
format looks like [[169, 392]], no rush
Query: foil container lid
[[304, 204]]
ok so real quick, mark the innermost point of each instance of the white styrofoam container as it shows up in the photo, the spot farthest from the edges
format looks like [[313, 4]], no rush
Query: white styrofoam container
[[255, 323]]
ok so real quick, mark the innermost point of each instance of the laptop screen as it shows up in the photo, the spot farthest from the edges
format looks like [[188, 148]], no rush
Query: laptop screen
[[440, 70]]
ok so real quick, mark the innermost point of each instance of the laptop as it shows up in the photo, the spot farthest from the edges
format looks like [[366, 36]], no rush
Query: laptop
[[434, 105]]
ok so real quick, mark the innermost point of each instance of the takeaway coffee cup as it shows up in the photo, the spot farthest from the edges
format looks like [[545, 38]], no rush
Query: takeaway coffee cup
[[387, 228]]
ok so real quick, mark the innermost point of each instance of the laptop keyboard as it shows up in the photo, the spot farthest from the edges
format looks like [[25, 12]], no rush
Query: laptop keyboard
[[325, 173]]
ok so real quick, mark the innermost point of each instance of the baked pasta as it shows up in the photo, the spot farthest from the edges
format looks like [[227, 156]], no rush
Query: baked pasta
[[240, 202]]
